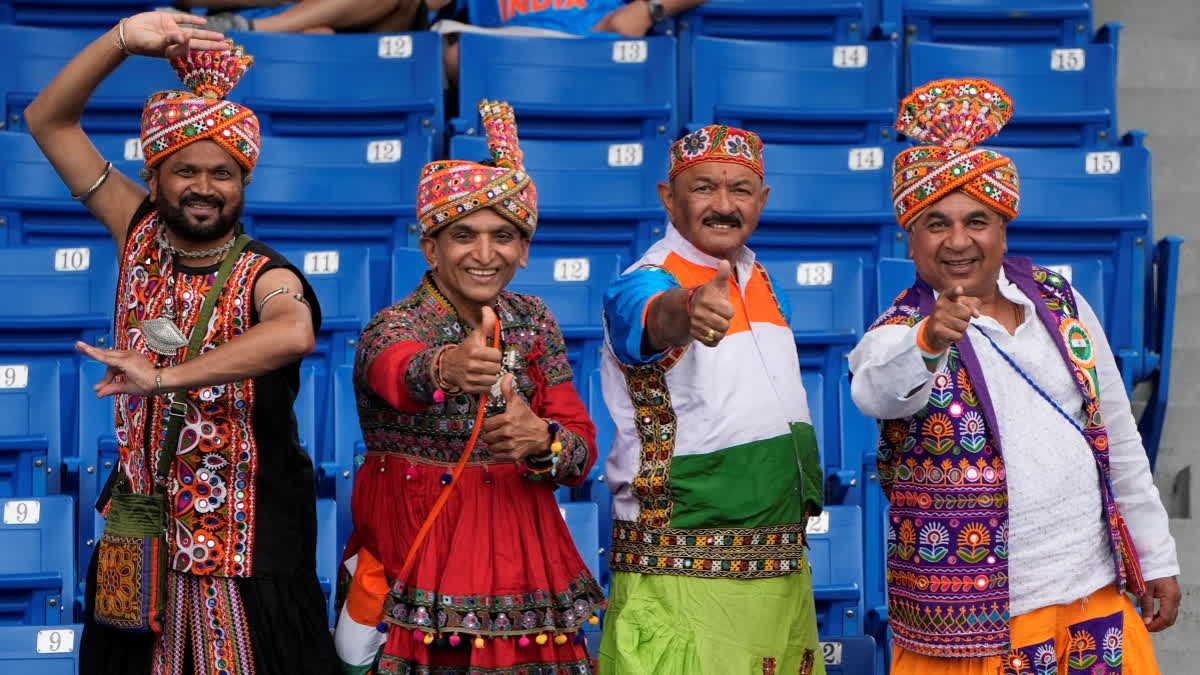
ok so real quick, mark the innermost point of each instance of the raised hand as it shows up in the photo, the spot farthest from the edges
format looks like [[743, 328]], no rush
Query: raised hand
[[711, 309], [170, 34], [518, 432], [949, 319], [472, 365], [128, 372]]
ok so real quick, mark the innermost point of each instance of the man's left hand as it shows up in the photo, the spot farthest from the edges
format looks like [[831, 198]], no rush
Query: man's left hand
[[128, 372], [631, 20], [517, 433], [1166, 590]]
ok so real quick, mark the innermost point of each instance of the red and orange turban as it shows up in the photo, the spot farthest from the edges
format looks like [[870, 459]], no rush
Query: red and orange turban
[[173, 120], [950, 118], [452, 189]]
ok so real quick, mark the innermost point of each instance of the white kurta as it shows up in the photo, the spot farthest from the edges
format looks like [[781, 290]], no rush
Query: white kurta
[[1058, 537]]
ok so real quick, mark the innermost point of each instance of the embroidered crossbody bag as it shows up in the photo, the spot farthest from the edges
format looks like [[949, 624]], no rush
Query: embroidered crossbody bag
[[131, 558]]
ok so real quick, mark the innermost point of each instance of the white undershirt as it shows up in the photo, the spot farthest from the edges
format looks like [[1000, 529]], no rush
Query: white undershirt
[[1058, 540]]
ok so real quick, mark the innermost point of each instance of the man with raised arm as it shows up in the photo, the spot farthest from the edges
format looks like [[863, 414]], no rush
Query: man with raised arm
[[238, 592]]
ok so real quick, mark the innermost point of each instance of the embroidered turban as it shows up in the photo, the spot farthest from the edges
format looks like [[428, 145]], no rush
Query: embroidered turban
[[452, 189], [173, 120], [717, 143], [950, 118]]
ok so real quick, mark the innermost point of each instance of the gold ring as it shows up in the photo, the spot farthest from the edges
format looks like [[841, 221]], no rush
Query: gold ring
[[710, 335]]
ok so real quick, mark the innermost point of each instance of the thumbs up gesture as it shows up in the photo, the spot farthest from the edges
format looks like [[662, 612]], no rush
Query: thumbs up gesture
[[518, 432], [711, 309], [473, 365], [949, 319]]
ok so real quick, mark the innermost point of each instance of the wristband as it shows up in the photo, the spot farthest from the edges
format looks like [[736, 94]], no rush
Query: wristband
[[928, 353]]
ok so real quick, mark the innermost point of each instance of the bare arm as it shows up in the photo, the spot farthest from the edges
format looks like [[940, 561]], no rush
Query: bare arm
[[53, 118], [283, 335], [669, 323], [436, 5]]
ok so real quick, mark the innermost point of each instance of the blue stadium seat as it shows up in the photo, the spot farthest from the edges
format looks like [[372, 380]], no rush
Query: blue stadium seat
[[826, 294], [1094, 204], [33, 56], [377, 86], [55, 296], [36, 207], [329, 555], [835, 542], [794, 20], [598, 88], [581, 520], [37, 571], [593, 195], [851, 656], [324, 193], [40, 650], [572, 287], [894, 276], [95, 459], [797, 92], [94, 15], [408, 267], [829, 203], [1063, 22], [305, 409], [348, 448], [34, 397], [1083, 110], [1160, 336]]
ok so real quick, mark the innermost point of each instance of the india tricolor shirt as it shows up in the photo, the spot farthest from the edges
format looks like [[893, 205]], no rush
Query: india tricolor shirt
[[714, 463]]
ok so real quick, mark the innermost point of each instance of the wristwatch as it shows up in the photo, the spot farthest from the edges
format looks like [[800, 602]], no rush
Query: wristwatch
[[657, 11]]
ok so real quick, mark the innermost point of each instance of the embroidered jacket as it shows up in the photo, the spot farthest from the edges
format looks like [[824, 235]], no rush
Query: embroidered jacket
[[943, 472], [714, 465], [404, 338], [216, 485]]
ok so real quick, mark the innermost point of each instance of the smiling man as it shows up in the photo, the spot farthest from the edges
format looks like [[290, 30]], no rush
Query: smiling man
[[237, 491], [497, 585], [714, 467], [1007, 448]]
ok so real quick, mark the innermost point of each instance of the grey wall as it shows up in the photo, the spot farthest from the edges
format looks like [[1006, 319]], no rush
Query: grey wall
[[1159, 91]]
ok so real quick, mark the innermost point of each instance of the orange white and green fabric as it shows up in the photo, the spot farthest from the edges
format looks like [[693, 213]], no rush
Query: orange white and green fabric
[[173, 120], [717, 143], [714, 468], [452, 189], [950, 118], [358, 637]]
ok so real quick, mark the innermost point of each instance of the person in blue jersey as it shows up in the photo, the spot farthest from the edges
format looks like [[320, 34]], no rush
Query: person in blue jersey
[[557, 18]]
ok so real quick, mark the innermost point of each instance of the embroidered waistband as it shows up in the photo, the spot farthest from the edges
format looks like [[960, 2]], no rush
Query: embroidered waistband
[[736, 553]]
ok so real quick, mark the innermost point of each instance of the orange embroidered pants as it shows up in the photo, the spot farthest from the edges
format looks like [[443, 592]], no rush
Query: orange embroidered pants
[[1101, 634]]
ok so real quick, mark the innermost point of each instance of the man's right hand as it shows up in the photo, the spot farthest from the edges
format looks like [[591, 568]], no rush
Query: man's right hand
[[473, 365], [711, 309], [949, 319], [170, 34]]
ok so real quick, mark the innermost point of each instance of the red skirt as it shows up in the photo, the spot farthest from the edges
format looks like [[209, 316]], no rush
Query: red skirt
[[497, 583]]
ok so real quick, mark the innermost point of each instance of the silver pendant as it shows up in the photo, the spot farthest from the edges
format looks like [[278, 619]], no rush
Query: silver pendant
[[162, 336]]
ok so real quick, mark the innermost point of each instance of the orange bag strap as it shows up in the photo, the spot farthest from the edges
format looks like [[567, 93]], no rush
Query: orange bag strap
[[444, 497]]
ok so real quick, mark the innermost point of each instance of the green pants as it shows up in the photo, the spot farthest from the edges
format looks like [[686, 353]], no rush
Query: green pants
[[674, 625]]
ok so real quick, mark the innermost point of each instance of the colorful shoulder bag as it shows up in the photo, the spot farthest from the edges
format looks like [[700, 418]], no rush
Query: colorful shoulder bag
[[131, 565]]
